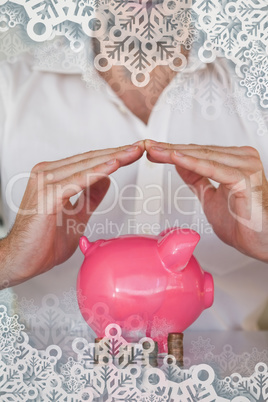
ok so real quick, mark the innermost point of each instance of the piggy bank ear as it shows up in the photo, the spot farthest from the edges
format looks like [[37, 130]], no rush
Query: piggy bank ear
[[164, 232], [84, 244], [176, 247]]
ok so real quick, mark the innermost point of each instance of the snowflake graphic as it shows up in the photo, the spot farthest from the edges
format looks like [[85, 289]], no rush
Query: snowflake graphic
[[261, 119], [252, 360], [160, 327], [127, 375], [256, 81], [14, 15], [27, 309], [71, 299], [201, 348], [154, 398], [140, 34], [237, 30], [74, 33], [14, 42], [143, 36], [8, 350], [52, 325], [38, 371], [72, 372], [11, 385], [225, 389], [7, 299], [48, 55], [255, 386], [180, 98], [92, 79], [237, 102], [227, 361], [10, 328]]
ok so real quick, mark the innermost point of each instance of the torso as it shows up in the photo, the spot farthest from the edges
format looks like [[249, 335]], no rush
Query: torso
[[52, 116], [139, 100]]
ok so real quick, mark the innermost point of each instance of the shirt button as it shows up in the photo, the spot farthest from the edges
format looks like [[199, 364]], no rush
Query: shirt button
[[150, 164], [122, 109]]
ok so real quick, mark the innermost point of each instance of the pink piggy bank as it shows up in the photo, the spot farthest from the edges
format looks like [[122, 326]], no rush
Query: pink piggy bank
[[149, 285]]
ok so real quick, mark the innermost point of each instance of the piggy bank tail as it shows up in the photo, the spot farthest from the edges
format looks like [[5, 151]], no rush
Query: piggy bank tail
[[176, 247], [84, 244]]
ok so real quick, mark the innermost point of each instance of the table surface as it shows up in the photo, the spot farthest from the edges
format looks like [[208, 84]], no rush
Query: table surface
[[227, 352], [240, 341]]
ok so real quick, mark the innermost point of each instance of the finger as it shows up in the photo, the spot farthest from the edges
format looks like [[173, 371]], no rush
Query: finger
[[155, 160], [159, 155], [81, 180], [243, 162], [243, 150], [210, 169], [124, 157], [90, 198], [46, 166], [200, 185]]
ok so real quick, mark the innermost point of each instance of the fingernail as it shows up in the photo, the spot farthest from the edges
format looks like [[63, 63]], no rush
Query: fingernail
[[158, 149], [177, 153], [138, 143], [111, 162], [132, 148], [151, 141]]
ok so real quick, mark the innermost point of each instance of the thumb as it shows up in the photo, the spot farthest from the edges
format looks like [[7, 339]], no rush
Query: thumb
[[200, 185]]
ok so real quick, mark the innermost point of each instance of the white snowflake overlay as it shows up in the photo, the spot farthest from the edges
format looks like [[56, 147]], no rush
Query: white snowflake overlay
[[48, 365], [140, 34]]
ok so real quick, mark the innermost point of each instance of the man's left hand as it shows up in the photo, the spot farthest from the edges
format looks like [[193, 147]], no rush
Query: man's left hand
[[238, 208]]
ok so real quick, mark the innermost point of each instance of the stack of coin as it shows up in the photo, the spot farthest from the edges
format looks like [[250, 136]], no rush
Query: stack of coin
[[97, 350], [175, 347]]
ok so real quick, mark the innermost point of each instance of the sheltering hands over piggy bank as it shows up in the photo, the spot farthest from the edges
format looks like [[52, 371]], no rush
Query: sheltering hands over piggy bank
[[149, 285]]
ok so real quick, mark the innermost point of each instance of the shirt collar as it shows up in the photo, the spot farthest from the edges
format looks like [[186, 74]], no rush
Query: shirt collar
[[56, 56]]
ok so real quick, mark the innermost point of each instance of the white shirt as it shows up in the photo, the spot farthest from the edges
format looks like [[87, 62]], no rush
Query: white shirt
[[48, 116]]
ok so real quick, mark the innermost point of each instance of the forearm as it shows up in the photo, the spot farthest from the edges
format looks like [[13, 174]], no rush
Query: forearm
[[6, 265], [14, 262]]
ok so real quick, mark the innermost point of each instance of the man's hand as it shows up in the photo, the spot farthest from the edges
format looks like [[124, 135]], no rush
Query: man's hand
[[39, 240], [238, 208]]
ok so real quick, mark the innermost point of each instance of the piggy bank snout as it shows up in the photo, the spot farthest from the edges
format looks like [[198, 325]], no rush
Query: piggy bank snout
[[208, 290]]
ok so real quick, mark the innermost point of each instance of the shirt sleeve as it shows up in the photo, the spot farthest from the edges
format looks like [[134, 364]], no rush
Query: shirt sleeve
[[4, 99], [2, 109]]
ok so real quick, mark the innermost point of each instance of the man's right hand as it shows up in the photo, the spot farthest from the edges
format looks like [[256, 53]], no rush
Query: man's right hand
[[37, 242]]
